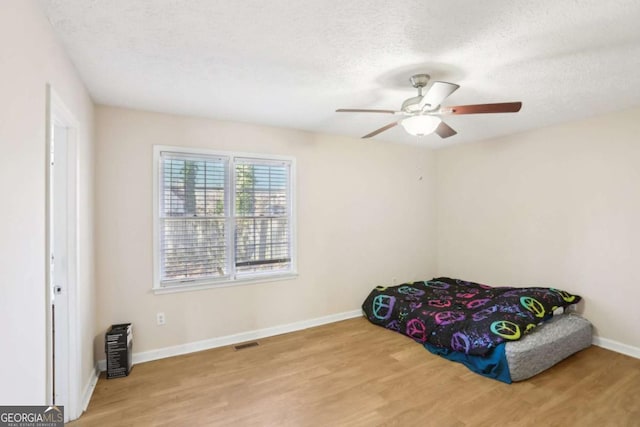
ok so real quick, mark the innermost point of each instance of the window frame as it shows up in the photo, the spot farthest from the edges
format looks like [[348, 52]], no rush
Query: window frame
[[233, 279]]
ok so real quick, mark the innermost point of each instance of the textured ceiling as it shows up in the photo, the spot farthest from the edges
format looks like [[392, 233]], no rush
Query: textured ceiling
[[292, 63]]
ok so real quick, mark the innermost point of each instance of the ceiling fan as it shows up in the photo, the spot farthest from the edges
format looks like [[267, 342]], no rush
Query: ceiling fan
[[422, 113]]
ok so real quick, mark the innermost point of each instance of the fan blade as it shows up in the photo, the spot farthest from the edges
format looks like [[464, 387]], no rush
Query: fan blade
[[444, 130], [382, 129], [503, 107], [436, 94], [357, 110]]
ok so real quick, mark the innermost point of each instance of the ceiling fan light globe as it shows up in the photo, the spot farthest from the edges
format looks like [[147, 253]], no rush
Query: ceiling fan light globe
[[420, 125]]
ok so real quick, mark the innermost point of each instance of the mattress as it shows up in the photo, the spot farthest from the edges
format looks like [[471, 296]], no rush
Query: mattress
[[504, 333], [553, 341]]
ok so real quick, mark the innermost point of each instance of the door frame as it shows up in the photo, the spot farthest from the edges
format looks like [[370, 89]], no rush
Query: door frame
[[57, 113]]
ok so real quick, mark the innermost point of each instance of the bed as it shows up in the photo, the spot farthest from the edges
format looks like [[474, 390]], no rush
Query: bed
[[505, 333]]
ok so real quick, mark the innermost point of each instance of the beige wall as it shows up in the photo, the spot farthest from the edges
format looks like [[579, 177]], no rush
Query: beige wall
[[30, 58], [363, 217], [558, 206]]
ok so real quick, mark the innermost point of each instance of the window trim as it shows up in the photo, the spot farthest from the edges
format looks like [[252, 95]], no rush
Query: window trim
[[232, 280]]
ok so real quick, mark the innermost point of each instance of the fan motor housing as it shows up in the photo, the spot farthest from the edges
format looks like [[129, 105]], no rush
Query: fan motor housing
[[412, 105]]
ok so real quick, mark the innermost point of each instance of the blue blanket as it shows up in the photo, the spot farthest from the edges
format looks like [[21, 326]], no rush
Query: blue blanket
[[492, 365]]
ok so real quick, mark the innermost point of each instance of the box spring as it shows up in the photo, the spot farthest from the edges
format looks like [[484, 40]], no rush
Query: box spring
[[553, 341]]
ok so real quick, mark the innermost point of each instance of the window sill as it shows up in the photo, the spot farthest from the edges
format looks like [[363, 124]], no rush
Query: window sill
[[229, 283]]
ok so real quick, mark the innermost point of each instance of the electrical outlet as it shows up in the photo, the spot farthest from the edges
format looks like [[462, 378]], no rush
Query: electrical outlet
[[160, 319]]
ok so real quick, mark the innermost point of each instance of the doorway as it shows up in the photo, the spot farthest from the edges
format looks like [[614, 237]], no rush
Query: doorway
[[62, 255]]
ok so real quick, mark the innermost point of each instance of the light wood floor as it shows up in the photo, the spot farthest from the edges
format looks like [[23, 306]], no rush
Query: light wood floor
[[355, 373]]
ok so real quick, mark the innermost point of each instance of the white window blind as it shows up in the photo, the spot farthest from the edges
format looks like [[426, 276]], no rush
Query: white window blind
[[262, 210], [221, 218], [193, 217]]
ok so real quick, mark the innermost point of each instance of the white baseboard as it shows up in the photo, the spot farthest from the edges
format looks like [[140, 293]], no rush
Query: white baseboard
[[616, 346], [161, 353], [88, 389], [87, 393]]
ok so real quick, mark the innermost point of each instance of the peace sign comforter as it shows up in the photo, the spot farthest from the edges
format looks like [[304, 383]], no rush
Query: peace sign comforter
[[463, 316]]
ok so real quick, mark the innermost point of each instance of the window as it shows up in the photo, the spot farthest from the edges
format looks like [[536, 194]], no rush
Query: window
[[221, 218]]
